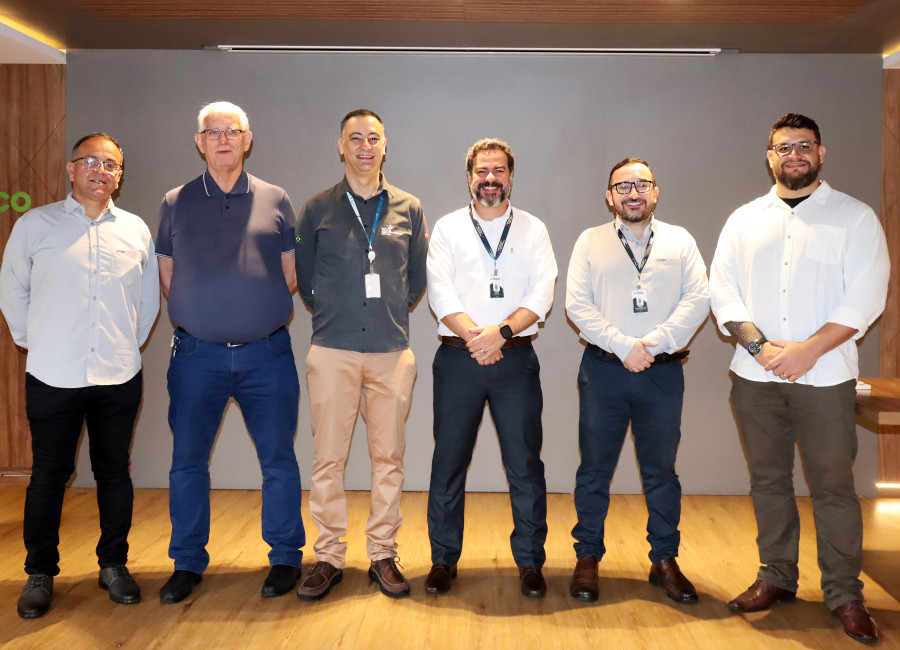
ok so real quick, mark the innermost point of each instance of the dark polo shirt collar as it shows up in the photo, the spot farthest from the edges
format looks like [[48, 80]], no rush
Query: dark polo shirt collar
[[241, 186]]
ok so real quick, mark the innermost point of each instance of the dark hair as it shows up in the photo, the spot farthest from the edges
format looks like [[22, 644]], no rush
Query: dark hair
[[102, 136], [490, 144], [631, 160], [360, 112], [796, 121]]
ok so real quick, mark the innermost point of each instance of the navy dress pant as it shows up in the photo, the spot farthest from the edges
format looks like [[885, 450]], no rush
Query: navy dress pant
[[512, 390], [611, 397]]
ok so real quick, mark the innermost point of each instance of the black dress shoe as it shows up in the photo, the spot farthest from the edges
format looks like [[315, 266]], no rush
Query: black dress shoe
[[667, 575], [35, 598], [439, 578], [123, 589], [281, 579], [533, 584], [179, 587], [585, 584]]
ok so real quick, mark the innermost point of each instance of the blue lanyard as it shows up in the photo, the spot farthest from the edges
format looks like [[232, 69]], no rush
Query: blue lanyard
[[369, 237], [484, 240]]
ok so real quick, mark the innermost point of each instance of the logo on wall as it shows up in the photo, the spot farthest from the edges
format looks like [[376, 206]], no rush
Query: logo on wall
[[19, 202]]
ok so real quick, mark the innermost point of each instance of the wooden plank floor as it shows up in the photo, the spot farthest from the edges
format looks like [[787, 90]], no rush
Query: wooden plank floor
[[484, 610]]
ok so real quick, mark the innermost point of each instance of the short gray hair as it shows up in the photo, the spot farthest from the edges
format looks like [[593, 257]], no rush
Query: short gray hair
[[223, 108]]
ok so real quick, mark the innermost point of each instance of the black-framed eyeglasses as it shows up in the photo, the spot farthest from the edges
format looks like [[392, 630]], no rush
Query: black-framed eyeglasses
[[802, 147], [92, 163], [231, 134], [624, 187]]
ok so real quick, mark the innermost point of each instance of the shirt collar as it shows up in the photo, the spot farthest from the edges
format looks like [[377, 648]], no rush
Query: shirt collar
[[344, 187], [74, 207], [820, 195], [626, 231], [241, 186]]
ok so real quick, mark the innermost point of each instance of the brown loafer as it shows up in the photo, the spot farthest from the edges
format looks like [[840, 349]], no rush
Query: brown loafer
[[390, 581], [533, 583], [858, 623], [319, 581], [438, 580], [585, 584], [667, 575], [759, 596]]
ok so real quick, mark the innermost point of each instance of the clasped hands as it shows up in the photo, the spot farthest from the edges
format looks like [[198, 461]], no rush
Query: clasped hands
[[788, 360], [485, 345]]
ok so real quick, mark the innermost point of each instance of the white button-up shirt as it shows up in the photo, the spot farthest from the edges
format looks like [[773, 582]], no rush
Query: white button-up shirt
[[80, 294], [460, 269], [789, 271], [601, 279]]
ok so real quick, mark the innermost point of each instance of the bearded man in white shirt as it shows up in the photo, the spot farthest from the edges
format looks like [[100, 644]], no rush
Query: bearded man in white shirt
[[491, 273], [798, 276]]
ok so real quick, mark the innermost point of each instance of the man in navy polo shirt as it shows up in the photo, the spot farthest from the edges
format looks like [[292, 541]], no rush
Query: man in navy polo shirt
[[226, 265]]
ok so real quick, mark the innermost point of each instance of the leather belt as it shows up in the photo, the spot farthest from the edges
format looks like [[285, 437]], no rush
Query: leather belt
[[514, 342], [661, 358], [230, 344]]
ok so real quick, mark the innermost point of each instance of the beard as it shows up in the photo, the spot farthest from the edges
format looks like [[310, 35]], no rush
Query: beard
[[476, 191], [632, 217], [798, 182]]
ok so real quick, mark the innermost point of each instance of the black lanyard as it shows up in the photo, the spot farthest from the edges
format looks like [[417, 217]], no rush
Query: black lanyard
[[639, 267], [484, 240]]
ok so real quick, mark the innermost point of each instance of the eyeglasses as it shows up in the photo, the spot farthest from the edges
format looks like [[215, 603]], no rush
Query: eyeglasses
[[624, 187], [213, 134], [91, 164], [785, 148]]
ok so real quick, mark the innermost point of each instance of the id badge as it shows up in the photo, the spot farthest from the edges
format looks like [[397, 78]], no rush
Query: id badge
[[373, 285], [496, 287], [639, 300]]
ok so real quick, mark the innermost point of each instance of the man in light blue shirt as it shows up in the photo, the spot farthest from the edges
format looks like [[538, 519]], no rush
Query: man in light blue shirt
[[78, 289]]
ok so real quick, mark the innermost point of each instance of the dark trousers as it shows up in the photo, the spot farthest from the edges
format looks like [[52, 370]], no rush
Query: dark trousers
[[610, 398], [773, 416], [262, 378], [56, 417], [512, 389]]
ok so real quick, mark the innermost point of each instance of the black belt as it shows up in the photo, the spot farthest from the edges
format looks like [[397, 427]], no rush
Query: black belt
[[662, 357], [230, 344], [514, 342]]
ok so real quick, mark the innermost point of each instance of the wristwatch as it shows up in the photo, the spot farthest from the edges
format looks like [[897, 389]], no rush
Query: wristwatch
[[753, 347], [506, 331]]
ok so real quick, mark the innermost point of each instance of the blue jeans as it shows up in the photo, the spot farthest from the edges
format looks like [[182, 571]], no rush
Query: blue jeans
[[512, 390], [611, 397], [262, 378]]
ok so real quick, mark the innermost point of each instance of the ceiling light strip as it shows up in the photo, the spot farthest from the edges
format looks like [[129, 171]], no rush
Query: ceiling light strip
[[591, 51]]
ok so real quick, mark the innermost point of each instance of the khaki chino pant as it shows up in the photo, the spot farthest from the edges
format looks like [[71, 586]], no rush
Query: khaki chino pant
[[342, 383]]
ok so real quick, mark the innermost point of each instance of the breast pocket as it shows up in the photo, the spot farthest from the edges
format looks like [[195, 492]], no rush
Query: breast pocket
[[825, 243], [126, 266]]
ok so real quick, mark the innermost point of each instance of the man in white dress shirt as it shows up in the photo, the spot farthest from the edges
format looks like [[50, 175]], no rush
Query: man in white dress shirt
[[78, 288], [491, 273], [637, 291], [798, 276]]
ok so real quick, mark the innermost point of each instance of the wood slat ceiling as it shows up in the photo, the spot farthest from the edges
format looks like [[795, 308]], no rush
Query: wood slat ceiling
[[503, 11]]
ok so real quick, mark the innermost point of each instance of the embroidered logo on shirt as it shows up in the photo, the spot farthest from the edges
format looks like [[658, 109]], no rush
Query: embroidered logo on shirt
[[298, 239], [387, 231]]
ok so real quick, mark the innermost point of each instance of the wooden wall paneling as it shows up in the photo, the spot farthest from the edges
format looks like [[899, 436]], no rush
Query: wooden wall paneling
[[889, 343], [32, 160]]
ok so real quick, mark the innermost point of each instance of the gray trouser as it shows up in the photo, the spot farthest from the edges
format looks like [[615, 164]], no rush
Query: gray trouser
[[772, 416]]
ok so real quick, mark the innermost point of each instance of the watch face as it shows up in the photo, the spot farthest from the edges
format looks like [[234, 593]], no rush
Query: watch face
[[754, 347], [506, 332]]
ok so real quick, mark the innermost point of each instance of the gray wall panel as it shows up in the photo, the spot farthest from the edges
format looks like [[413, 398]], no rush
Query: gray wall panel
[[701, 123]]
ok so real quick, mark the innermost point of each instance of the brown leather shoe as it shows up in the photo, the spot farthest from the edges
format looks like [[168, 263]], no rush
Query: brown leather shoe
[[533, 584], [438, 580], [389, 579], [585, 584], [759, 596], [321, 578], [858, 623], [667, 575]]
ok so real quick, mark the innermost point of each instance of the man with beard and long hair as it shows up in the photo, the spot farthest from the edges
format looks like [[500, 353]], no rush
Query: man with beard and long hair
[[491, 272], [637, 291], [807, 266]]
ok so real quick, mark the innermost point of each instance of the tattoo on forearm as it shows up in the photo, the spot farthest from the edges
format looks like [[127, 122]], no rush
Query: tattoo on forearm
[[744, 332]]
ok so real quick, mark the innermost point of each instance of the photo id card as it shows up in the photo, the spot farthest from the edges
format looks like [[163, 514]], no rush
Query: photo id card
[[639, 300], [496, 287], [373, 285]]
